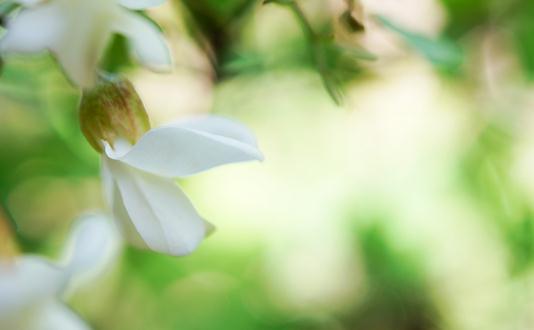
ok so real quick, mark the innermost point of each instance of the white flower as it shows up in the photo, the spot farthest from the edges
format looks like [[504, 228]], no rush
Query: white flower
[[149, 207], [77, 32], [31, 286]]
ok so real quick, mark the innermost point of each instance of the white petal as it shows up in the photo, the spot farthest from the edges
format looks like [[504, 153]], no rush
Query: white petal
[[159, 210], [33, 30], [125, 223], [56, 316], [82, 46], [221, 126], [190, 147], [108, 185], [76, 32], [114, 201], [121, 215], [140, 4], [92, 247], [25, 283], [146, 40]]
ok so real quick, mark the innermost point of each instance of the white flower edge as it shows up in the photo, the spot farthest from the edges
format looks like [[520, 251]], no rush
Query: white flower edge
[[188, 147], [19, 288], [148, 205], [77, 34], [56, 316], [146, 41], [30, 286], [92, 246], [152, 211]]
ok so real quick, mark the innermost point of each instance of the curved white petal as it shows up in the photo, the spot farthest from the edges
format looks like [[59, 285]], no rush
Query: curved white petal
[[114, 201], [79, 63], [92, 247], [87, 31], [190, 147], [221, 126], [33, 30], [139, 4], [160, 212], [124, 222], [121, 216], [147, 42], [77, 32], [25, 283], [56, 316]]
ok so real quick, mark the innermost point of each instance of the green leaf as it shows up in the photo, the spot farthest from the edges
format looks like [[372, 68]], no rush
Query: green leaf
[[442, 53], [6, 7]]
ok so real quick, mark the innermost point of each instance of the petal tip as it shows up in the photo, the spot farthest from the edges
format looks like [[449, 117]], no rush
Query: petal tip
[[260, 157], [163, 64], [160, 67], [184, 250], [209, 229], [256, 154]]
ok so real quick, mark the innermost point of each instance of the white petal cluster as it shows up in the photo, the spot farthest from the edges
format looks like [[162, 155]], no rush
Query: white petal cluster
[[78, 31], [31, 286], [150, 208]]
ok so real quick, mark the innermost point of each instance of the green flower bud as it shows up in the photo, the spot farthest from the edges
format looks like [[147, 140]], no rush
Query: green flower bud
[[110, 110]]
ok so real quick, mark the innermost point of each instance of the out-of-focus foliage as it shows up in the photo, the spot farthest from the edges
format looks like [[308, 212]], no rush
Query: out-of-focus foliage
[[446, 160], [514, 16], [442, 53], [486, 175], [396, 286]]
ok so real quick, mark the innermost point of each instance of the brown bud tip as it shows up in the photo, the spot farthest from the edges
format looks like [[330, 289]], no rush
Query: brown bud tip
[[112, 109], [352, 18], [351, 22]]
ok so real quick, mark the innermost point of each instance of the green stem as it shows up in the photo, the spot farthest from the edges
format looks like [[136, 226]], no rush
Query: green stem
[[318, 57], [314, 44], [304, 23]]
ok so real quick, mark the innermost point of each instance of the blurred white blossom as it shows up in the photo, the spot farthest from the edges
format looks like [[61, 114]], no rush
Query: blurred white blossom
[[31, 287], [78, 31], [150, 208]]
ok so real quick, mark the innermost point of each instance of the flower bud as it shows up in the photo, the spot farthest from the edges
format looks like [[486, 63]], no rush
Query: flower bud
[[350, 22], [353, 17], [110, 110]]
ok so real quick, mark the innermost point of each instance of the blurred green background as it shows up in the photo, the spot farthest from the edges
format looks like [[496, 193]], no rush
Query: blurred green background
[[397, 191]]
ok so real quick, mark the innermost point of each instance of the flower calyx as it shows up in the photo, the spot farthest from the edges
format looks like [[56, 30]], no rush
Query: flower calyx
[[112, 110]]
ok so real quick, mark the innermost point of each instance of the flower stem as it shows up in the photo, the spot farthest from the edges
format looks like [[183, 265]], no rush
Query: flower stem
[[317, 56]]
